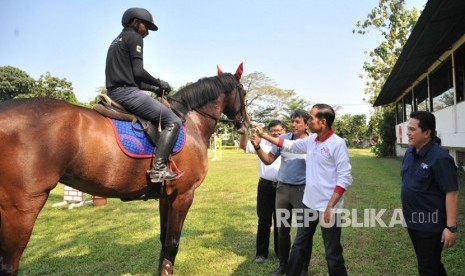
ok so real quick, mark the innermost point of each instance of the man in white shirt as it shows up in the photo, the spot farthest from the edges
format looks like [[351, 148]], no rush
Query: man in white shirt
[[328, 175], [266, 194]]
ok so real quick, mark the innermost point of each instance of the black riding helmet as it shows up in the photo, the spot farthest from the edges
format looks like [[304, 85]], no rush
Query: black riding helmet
[[139, 13]]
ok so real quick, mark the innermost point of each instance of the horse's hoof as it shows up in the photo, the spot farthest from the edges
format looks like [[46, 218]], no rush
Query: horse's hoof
[[166, 268]]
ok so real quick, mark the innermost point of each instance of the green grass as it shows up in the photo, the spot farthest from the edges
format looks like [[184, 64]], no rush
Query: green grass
[[219, 233]]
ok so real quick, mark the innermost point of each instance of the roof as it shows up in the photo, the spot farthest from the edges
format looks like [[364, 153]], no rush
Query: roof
[[440, 25]]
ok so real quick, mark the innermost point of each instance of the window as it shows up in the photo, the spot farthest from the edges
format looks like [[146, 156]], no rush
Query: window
[[408, 105], [459, 59], [400, 112], [460, 157], [441, 86], [421, 96]]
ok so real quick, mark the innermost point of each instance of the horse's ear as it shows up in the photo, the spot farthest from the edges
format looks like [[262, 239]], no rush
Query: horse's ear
[[219, 70], [239, 71]]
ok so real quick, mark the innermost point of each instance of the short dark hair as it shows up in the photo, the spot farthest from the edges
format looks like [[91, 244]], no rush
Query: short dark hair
[[274, 123], [325, 112], [426, 120], [300, 113]]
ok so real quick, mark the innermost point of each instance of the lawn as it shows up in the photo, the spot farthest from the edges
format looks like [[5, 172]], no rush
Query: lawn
[[122, 238]]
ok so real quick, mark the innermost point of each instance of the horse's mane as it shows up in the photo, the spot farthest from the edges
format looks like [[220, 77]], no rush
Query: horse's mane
[[27, 101], [203, 91]]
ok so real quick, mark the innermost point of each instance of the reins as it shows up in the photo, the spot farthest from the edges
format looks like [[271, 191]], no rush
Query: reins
[[207, 115]]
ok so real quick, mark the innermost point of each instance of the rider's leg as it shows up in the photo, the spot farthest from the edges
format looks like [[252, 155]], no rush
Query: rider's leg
[[146, 107], [160, 170]]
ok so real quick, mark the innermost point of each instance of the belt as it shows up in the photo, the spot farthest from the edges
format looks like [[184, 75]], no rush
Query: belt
[[119, 86], [289, 184], [274, 183]]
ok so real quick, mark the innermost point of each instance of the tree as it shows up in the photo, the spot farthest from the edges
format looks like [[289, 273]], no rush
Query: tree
[[54, 87], [292, 104], [14, 82], [265, 101], [352, 128], [387, 132], [395, 23], [296, 103], [99, 90]]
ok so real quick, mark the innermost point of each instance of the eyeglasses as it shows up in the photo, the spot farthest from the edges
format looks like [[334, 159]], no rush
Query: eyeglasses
[[276, 130]]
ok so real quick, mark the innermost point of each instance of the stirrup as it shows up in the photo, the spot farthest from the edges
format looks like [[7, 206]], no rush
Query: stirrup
[[160, 176]]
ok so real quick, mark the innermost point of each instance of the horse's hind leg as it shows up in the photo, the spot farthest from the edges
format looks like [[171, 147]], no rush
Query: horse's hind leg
[[172, 216], [17, 215]]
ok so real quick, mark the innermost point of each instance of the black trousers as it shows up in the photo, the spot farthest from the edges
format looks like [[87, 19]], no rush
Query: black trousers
[[144, 106], [428, 248], [266, 212], [300, 254]]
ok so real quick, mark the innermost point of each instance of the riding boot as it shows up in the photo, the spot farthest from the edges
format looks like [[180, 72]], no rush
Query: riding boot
[[160, 170]]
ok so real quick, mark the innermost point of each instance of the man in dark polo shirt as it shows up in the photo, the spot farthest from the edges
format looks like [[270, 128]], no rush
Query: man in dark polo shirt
[[126, 77], [290, 188], [429, 194]]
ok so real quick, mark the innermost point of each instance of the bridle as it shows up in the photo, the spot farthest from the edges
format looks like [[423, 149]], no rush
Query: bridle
[[242, 120], [239, 123]]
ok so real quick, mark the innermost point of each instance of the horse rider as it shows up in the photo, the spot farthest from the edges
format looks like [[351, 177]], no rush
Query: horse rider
[[126, 77]]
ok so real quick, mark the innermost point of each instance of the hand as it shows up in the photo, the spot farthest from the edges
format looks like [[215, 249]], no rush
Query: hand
[[255, 140], [448, 238], [157, 90], [258, 130], [327, 215], [165, 86]]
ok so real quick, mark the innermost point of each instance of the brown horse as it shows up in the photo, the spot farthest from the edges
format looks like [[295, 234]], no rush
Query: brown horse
[[45, 141]]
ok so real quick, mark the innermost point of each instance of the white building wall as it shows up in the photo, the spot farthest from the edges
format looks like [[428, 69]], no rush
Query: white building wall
[[401, 139], [401, 133], [400, 150], [450, 127]]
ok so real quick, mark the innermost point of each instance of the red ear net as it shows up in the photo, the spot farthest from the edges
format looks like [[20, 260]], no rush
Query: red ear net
[[219, 70], [239, 71]]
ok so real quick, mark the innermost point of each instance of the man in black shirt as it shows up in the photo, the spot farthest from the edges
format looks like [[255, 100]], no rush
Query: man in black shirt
[[126, 77], [429, 194]]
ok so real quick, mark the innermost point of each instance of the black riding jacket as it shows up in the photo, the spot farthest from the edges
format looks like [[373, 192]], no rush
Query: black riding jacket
[[124, 64]]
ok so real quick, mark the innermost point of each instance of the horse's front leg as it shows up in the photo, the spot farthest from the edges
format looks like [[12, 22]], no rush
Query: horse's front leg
[[164, 206], [172, 216]]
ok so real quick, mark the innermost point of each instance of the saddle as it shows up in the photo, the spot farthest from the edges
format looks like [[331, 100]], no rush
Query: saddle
[[109, 108]]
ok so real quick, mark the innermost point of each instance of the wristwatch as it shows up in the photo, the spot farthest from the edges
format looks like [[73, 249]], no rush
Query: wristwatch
[[452, 229]]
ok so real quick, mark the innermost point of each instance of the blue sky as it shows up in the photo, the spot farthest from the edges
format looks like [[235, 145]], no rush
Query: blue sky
[[305, 45]]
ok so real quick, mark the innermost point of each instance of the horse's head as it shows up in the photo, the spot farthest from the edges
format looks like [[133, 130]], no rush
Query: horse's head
[[211, 97], [235, 103]]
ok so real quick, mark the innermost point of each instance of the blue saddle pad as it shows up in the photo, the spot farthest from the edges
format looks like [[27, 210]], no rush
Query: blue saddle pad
[[135, 143]]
